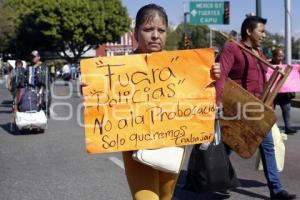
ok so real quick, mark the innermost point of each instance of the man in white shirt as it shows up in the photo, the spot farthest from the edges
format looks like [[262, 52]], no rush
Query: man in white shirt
[[66, 72]]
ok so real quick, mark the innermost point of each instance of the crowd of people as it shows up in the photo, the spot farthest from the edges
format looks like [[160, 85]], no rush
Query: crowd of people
[[30, 87], [36, 76], [21, 79]]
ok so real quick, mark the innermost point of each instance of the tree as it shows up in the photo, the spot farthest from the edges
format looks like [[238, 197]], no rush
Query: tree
[[197, 36], [295, 48], [69, 27], [173, 38], [7, 27]]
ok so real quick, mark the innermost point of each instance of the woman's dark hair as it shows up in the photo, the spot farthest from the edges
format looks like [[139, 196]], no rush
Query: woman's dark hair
[[18, 62], [276, 51], [251, 23], [145, 14]]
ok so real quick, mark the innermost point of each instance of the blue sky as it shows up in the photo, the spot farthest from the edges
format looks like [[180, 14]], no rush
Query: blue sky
[[273, 10]]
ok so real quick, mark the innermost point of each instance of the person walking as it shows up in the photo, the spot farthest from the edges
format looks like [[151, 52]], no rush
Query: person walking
[[250, 73], [283, 99], [7, 68], [147, 183], [17, 82], [66, 72], [52, 70], [38, 79]]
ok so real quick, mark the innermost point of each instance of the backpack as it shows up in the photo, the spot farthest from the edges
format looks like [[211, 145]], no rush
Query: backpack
[[29, 101]]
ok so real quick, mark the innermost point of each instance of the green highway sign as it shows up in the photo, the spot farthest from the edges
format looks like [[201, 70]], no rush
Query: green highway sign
[[209, 12]]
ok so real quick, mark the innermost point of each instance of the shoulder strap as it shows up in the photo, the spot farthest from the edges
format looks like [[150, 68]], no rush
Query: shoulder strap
[[261, 70], [245, 73]]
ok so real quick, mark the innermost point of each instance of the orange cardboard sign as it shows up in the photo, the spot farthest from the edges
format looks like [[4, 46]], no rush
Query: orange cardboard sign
[[148, 100]]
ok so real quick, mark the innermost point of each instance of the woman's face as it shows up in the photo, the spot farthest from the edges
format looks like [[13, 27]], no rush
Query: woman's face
[[151, 36], [19, 65], [278, 58]]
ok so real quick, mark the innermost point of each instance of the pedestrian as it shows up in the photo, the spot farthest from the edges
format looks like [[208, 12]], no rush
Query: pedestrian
[[52, 71], [17, 81], [66, 72], [283, 99], [7, 68], [146, 182], [38, 79], [73, 71], [250, 73]]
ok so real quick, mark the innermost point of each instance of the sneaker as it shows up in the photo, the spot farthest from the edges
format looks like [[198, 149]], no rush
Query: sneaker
[[290, 131], [223, 192], [283, 195]]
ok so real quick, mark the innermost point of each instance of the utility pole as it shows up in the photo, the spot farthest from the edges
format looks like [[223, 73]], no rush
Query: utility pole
[[287, 32], [258, 8], [210, 37], [185, 32], [184, 19]]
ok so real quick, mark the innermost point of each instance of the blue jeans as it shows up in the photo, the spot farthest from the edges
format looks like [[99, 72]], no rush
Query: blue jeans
[[269, 163], [284, 101], [286, 110]]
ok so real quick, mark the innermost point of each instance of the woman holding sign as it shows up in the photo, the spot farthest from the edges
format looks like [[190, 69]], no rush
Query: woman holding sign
[[147, 183]]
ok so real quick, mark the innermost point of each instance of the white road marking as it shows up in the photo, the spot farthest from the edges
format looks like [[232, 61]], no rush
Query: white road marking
[[117, 161]]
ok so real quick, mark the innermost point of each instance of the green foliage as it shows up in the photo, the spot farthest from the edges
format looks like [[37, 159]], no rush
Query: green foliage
[[218, 41], [173, 38], [116, 20], [197, 37], [7, 26], [73, 26], [268, 45], [295, 48]]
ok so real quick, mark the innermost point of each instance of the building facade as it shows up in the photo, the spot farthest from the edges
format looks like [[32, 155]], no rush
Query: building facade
[[124, 46]]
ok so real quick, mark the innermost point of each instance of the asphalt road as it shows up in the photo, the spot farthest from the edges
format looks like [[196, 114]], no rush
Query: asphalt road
[[55, 166]]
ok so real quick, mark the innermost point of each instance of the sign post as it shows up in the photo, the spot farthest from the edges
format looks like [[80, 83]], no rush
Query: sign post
[[210, 12]]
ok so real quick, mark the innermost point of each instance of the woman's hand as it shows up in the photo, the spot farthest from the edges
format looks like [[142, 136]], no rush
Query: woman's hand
[[82, 84], [216, 71]]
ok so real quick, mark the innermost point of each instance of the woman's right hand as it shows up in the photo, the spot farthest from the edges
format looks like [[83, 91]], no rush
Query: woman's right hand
[[82, 84]]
